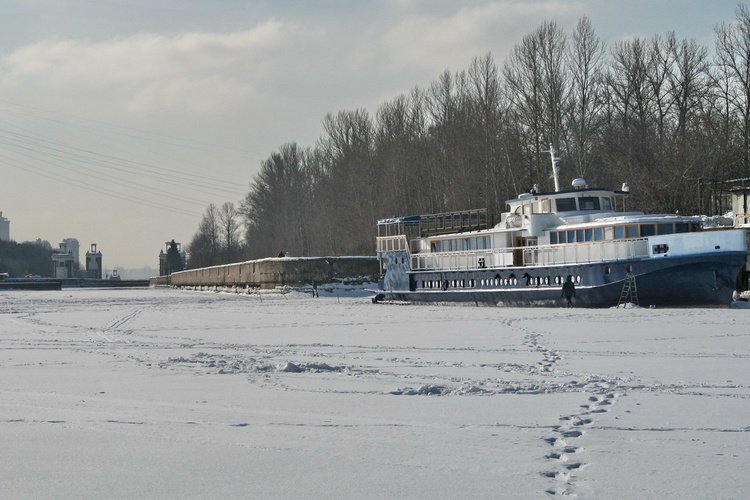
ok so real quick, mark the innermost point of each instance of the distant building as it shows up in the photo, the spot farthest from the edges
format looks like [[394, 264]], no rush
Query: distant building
[[4, 228], [94, 263], [65, 259], [172, 260]]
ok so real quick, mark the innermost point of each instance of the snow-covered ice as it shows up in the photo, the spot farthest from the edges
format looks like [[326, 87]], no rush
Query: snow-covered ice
[[167, 394]]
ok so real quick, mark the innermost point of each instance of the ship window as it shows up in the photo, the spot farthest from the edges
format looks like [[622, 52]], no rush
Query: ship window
[[579, 236], [598, 234], [619, 232], [532, 242], [588, 203], [631, 231], [665, 228], [608, 233], [607, 203], [563, 237], [566, 204], [682, 227], [571, 236], [648, 230], [553, 238]]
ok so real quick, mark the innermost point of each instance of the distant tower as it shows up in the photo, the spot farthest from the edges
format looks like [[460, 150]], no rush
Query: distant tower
[[4, 228], [71, 246], [65, 259], [172, 260], [94, 263]]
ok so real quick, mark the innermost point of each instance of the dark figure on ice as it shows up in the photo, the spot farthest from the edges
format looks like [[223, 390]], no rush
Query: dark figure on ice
[[569, 291], [315, 290]]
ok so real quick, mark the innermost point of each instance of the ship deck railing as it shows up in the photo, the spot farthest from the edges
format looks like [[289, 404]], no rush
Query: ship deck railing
[[435, 224], [545, 255], [392, 243]]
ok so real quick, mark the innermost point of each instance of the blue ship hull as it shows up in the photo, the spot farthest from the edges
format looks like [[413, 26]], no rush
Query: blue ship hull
[[694, 281]]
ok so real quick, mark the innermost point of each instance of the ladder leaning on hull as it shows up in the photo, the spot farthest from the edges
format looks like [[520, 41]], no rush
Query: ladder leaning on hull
[[629, 291]]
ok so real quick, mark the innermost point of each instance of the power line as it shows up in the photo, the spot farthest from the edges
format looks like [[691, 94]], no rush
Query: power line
[[67, 159], [98, 190], [35, 144], [151, 135]]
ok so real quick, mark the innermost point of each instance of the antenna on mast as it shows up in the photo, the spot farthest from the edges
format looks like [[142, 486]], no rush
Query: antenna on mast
[[555, 167]]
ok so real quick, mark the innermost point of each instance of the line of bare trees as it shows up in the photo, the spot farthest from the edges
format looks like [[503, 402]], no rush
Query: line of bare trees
[[661, 113]]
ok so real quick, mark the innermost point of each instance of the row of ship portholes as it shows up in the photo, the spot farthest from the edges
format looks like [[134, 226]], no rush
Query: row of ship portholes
[[497, 281]]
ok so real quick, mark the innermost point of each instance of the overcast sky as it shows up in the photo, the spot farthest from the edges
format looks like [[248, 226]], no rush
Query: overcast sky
[[121, 120]]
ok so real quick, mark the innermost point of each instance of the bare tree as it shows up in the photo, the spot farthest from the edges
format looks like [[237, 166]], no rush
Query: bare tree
[[733, 75], [352, 185], [276, 211], [205, 247], [538, 88], [229, 231], [586, 57], [488, 130]]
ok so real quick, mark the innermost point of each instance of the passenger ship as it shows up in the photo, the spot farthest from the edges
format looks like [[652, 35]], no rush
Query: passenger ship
[[582, 234]]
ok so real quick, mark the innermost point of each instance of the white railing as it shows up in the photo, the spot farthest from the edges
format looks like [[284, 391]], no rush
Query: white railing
[[392, 243], [462, 260], [585, 253], [534, 256]]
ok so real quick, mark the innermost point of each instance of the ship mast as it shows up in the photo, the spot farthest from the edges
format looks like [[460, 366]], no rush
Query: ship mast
[[555, 167]]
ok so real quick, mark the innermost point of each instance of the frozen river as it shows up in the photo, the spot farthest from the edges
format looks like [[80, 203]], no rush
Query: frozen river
[[167, 394]]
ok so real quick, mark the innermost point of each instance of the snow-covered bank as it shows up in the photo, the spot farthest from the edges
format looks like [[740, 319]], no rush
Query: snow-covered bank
[[165, 394]]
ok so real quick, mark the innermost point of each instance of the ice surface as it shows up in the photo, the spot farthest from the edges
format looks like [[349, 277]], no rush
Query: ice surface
[[167, 394]]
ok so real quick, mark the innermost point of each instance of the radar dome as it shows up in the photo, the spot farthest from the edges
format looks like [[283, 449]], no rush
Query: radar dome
[[579, 183]]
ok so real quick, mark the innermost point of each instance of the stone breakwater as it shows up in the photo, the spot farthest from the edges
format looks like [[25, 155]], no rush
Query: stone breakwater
[[276, 272]]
